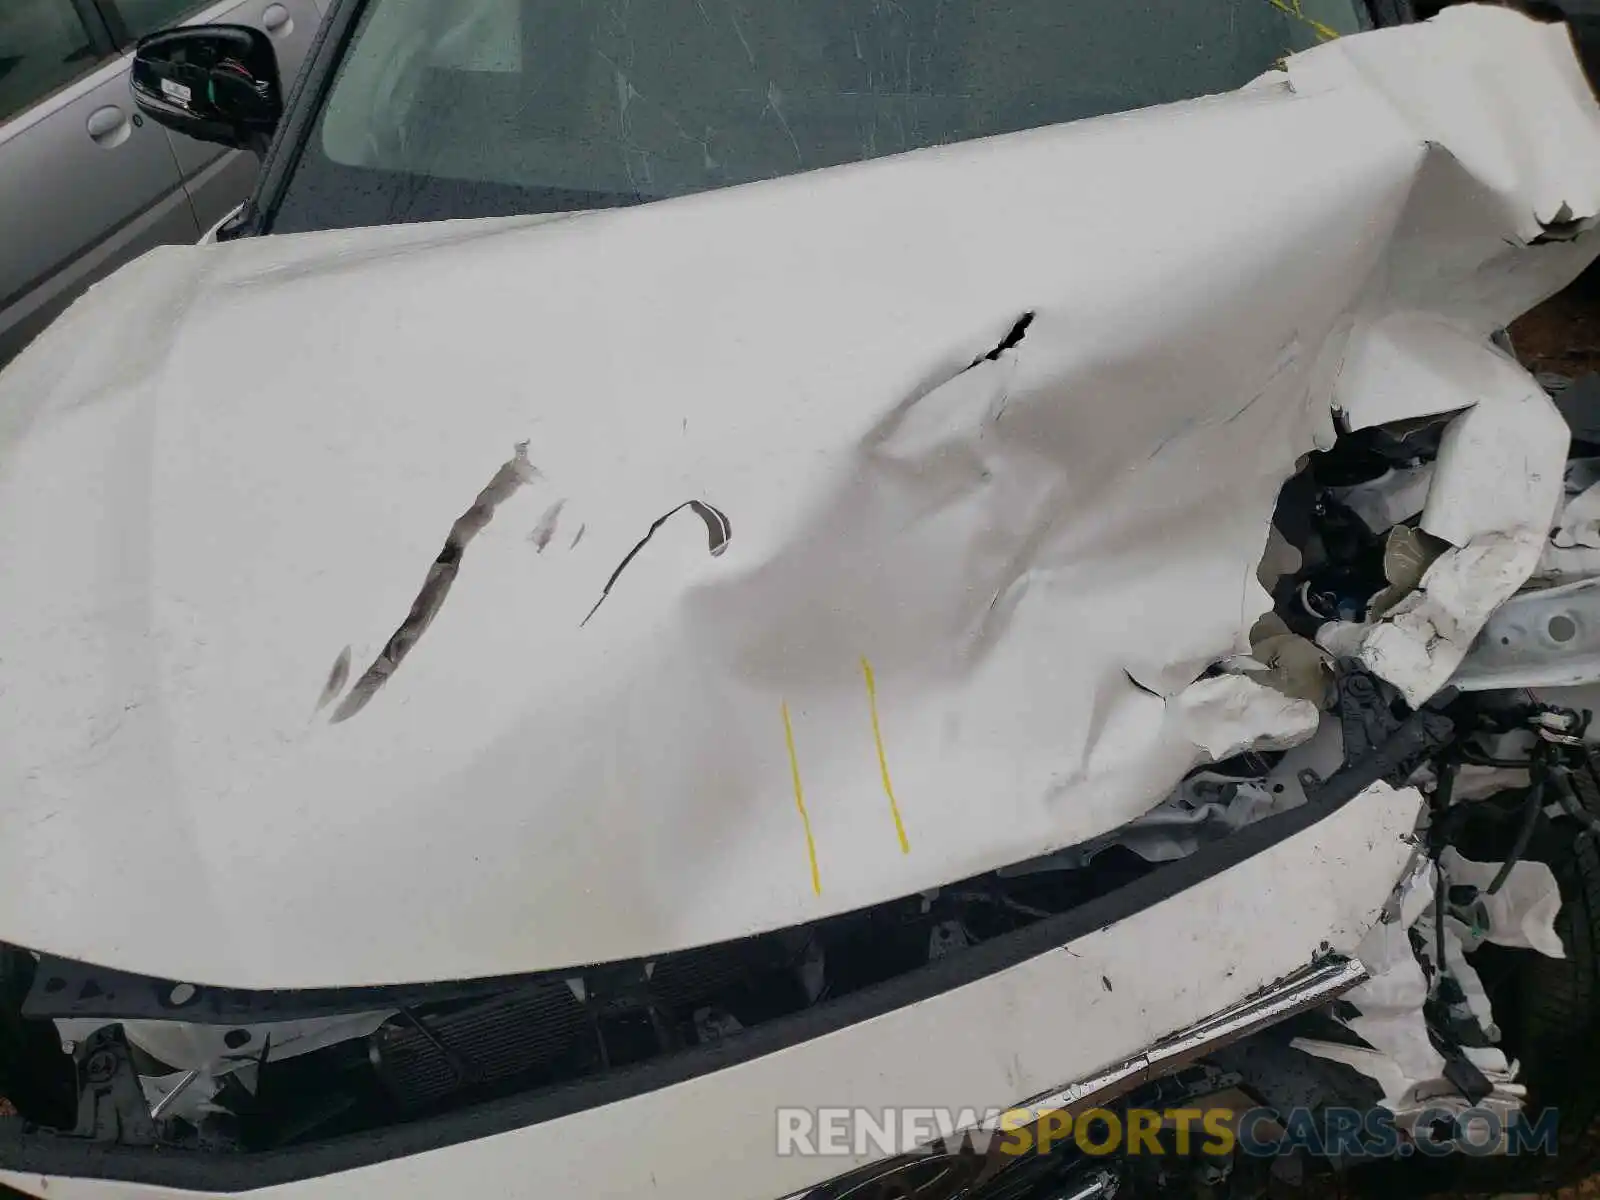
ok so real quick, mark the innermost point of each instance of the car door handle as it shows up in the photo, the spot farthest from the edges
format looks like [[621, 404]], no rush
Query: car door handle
[[276, 20], [108, 126]]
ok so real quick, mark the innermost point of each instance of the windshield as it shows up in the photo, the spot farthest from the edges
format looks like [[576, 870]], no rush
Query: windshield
[[466, 108]]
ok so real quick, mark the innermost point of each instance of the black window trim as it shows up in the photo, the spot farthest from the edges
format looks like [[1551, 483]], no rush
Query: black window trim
[[303, 101], [113, 21], [101, 39], [118, 27], [102, 49]]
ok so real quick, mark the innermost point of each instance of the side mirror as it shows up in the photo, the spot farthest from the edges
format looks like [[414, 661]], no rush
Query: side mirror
[[218, 83]]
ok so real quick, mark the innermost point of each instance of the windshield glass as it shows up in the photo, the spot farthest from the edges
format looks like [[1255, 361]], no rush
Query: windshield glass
[[464, 108]]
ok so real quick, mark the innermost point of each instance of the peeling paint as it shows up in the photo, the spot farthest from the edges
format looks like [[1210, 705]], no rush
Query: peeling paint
[[513, 474], [338, 676], [546, 528], [718, 534]]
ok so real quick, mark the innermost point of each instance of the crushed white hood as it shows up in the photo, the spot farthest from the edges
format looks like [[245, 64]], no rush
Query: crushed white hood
[[984, 590]]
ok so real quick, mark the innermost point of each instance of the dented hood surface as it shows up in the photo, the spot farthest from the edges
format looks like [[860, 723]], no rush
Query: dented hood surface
[[334, 651]]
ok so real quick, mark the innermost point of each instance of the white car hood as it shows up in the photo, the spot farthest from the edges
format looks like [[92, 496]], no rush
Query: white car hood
[[958, 617]]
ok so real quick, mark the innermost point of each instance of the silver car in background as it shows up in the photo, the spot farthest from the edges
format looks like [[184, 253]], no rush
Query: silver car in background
[[86, 182]]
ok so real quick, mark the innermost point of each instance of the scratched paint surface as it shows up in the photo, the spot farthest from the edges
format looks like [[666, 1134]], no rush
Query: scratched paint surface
[[1037, 551]]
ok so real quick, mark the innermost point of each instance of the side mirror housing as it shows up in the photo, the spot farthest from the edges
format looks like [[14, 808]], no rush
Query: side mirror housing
[[218, 83]]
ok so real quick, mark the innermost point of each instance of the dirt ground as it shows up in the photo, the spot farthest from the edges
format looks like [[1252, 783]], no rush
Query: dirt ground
[[1562, 335]]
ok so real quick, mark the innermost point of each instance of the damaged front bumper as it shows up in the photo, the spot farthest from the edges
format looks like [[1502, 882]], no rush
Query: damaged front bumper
[[1079, 997], [1010, 642]]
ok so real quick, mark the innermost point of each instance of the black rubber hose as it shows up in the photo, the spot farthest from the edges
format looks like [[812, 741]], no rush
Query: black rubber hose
[[1440, 805], [1531, 808], [1574, 808]]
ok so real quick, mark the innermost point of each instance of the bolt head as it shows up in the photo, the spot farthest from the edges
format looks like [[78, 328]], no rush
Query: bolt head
[[102, 1065]]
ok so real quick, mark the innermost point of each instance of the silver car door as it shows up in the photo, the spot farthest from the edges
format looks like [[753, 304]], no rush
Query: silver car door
[[85, 182], [218, 179]]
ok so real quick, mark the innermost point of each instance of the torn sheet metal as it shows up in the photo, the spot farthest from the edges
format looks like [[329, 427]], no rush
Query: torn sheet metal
[[1225, 715], [1386, 1012], [1494, 492], [1204, 808], [1390, 1002], [1408, 955], [1420, 642], [977, 431], [1573, 551], [1412, 1100], [1548, 638], [1579, 525]]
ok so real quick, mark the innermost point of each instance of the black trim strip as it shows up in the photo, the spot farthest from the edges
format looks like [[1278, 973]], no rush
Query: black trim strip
[[45, 1154], [116, 27], [300, 109], [119, 25], [101, 34], [1390, 12], [42, 105]]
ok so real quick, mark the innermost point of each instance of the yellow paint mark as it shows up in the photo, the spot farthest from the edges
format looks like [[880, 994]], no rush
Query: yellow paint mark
[[1324, 33], [800, 800], [883, 760]]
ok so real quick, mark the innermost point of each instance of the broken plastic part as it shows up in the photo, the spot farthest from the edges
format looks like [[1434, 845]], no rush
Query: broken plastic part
[[1420, 643], [1522, 914], [1365, 716], [1397, 1014], [1227, 715], [1291, 664], [1407, 555]]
